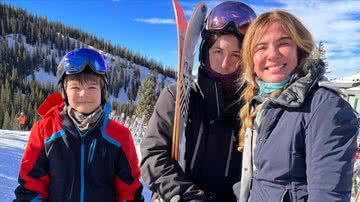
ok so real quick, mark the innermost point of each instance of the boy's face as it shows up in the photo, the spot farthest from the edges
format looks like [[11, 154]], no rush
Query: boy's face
[[84, 97]]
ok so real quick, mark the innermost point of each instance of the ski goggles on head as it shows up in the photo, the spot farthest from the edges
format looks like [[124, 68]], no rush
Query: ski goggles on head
[[75, 61], [230, 16]]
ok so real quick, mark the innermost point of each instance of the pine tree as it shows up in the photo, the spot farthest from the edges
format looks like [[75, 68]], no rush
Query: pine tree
[[147, 97], [136, 80], [13, 121], [130, 92], [1, 112], [321, 54], [7, 121], [2, 28], [322, 51], [53, 64]]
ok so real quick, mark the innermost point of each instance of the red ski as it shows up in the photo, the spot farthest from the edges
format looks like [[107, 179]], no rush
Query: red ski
[[181, 25]]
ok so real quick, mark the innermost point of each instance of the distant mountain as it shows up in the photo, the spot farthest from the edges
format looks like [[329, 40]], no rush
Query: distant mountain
[[30, 49]]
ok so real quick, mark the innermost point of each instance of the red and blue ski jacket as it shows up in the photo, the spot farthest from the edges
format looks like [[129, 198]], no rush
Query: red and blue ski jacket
[[62, 164]]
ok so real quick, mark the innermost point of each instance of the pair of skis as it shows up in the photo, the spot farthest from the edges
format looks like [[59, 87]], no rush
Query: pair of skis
[[188, 35]]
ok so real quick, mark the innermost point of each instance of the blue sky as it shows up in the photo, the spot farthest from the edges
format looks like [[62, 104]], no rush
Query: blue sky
[[147, 26]]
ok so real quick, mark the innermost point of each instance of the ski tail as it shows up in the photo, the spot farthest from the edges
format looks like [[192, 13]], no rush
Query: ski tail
[[185, 80]]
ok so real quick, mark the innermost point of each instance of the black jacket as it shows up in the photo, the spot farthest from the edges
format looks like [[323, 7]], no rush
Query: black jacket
[[213, 163]]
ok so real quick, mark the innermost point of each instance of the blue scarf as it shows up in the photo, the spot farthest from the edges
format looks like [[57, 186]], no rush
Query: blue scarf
[[267, 87]]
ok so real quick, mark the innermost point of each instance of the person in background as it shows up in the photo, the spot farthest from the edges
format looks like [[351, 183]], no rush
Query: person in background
[[298, 135], [21, 120], [75, 152], [211, 156]]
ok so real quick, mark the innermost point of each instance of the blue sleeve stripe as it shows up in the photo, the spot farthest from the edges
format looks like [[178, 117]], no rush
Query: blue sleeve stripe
[[92, 150], [108, 138], [107, 109], [54, 136], [37, 199]]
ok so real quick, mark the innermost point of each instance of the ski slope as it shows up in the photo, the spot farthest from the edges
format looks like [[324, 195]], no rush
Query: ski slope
[[12, 145]]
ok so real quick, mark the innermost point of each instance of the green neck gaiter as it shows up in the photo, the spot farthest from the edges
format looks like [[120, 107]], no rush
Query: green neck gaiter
[[267, 87]]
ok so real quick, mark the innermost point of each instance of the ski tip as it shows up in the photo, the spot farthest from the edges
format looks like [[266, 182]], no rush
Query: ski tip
[[203, 7]]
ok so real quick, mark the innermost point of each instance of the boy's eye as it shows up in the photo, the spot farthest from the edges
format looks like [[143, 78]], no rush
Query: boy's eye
[[93, 86]]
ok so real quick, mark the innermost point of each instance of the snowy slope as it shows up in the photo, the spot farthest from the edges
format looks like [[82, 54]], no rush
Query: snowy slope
[[111, 60], [12, 145]]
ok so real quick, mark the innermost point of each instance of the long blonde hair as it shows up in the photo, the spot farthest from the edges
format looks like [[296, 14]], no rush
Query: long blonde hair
[[297, 32]]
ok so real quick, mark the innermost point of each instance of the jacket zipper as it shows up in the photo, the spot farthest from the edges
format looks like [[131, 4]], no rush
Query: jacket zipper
[[82, 163], [229, 154], [82, 186], [197, 145], [283, 195], [217, 99], [82, 160]]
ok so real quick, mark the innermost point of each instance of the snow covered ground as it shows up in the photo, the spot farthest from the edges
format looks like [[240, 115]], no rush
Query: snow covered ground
[[12, 145]]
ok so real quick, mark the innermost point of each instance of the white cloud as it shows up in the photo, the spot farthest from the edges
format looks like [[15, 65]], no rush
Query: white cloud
[[332, 22], [156, 20]]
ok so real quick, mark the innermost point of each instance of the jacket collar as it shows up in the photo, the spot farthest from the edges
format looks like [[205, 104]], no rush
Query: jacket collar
[[301, 83], [53, 106], [73, 129], [213, 97]]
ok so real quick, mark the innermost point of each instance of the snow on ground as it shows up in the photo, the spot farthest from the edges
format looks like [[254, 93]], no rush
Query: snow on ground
[[45, 77], [12, 145]]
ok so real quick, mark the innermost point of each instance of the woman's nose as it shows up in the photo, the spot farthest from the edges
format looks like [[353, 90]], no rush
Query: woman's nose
[[226, 63], [273, 52]]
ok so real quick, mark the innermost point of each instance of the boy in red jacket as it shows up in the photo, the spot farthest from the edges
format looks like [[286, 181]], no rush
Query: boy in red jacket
[[75, 153]]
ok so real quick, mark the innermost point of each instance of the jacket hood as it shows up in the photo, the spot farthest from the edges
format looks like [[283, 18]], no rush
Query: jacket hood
[[53, 103]]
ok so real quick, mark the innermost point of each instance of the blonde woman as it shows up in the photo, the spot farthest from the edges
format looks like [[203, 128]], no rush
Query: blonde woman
[[298, 136]]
